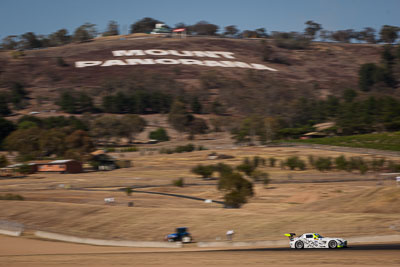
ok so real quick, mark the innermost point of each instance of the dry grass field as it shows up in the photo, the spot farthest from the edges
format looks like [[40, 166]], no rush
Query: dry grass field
[[332, 203]]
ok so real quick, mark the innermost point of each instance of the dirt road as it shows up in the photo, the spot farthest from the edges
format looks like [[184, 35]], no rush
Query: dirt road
[[18, 252]]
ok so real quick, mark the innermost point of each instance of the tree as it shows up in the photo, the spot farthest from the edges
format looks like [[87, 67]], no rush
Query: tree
[[105, 127], [343, 36], [6, 127], [160, 135], [323, 163], [178, 116], [196, 106], [389, 34], [231, 30], [130, 126], [53, 142], [258, 175], [112, 29], [204, 28], [84, 33], [312, 28], [196, 125], [367, 76], [79, 144], [29, 41], [261, 33], [368, 35], [75, 102], [145, 25], [59, 37], [3, 161], [237, 189], [388, 59], [204, 171], [294, 162], [249, 129], [10, 42], [25, 142], [4, 109]]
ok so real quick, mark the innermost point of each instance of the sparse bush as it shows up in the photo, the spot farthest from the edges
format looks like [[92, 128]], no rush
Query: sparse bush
[[185, 148], [205, 171], [179, 182], [181, 149], [222, 168], [129, 149], [358, 163], [272, 161], [323, 164], [11, 197], [258, 175], [311, 160], [246, 167], [378, 164], [128, 191], [295, 162], [341, 163], [393, 167], [160, 135]]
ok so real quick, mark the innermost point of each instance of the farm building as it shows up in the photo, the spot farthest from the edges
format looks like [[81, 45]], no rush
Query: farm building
[[18, 169], [61, 166]]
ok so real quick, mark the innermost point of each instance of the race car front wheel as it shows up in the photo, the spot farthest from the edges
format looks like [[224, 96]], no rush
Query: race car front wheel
[[299, 245], [332, 244]]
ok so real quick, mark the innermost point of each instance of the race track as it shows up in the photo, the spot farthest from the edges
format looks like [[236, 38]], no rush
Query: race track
[[18, 251]]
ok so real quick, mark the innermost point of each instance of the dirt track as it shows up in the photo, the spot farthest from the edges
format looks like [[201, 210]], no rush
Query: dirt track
[[17, 251]]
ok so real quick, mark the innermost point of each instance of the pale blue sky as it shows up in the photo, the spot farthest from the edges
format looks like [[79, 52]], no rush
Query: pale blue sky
[[47, 16]]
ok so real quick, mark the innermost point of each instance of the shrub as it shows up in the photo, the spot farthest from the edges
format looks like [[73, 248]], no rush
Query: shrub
[[3, 161], [341, 163], [258, 175], [204, 171], [247, 168], [179, 182], [295, 162], [128, 191], [185, 148], [378, 164], [222, 168], [160, 135], [11, 197], [129, 149], [181, 149], [357, 163], [272, 161], [323, 164]]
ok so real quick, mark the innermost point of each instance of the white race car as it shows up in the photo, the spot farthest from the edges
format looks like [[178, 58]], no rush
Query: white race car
[[314, 240]]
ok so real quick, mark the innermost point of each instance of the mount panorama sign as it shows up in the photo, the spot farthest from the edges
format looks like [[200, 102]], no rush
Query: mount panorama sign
[[188, 60]]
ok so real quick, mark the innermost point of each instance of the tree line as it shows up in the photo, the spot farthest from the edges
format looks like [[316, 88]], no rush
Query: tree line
[[88, 31]]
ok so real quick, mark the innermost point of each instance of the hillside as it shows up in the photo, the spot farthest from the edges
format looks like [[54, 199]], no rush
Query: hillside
[[321, 70], [377, 200]]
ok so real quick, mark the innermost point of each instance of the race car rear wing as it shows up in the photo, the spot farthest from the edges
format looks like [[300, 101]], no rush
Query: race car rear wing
[[290, 235]]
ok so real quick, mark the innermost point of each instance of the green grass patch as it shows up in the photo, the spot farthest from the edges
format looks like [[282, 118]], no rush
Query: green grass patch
[[383, 141]]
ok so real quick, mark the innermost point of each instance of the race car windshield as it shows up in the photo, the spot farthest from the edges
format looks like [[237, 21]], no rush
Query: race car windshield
[[319, 236]]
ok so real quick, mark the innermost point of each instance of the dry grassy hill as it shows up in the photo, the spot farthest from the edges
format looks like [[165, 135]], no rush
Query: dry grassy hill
[[376, 200], [320, 70]]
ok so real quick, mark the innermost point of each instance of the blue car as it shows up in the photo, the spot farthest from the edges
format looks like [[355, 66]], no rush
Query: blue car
[[181, 235]]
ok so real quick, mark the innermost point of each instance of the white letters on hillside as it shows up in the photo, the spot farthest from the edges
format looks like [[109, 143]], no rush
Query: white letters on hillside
[[170, 61]]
